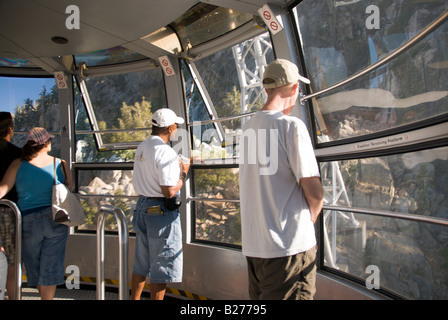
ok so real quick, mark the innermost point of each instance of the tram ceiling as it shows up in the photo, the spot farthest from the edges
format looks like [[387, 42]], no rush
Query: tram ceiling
[[27, 27]]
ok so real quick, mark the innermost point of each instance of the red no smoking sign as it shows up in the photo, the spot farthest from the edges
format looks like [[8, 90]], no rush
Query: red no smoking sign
[[166, 66], [267, 15], [60, 79], [270, 19]]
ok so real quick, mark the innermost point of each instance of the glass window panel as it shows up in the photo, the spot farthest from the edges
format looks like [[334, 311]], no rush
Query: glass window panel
[[411, 257], [216, 183], [232, 79], [221, 76], [217, 140], [102, 186], [92, 206], [196, 109], [412, 182], [87, 151], [166, 39], [409, 89], [108, 57], [341, 44], [218, 222], [16, 63], [205, 22], [34, 102], [125, 101], [406, 90]]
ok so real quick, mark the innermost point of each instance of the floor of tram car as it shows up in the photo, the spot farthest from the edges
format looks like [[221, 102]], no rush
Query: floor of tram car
[[85, 292]]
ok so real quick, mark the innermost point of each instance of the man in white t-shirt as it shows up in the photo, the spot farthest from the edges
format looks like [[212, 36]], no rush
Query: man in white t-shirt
[[281, 192], [158, 178]]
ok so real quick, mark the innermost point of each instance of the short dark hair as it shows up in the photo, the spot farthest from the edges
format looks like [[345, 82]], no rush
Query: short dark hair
[[6, 122], [159, 130]]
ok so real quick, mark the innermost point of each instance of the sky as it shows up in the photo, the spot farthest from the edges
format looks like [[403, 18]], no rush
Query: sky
[[14, 91]]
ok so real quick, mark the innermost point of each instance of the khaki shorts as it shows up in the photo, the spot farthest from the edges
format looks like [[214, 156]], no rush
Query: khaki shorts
[[284, 278]]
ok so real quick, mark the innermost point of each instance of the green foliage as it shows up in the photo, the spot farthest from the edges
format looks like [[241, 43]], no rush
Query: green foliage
[[133, 116]]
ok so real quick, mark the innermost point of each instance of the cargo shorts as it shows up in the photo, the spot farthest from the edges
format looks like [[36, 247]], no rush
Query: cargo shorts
[[158, 243]]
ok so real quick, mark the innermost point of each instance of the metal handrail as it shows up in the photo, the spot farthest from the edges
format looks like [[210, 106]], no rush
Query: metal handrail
[[432, 26], [123, 252], [18, 248], [389, 214]]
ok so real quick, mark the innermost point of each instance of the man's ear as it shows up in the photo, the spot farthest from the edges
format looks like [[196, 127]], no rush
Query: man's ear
[[172, 127], [295, 89]]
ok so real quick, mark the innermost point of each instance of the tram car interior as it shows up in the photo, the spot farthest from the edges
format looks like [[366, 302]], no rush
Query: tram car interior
[[376, 109]]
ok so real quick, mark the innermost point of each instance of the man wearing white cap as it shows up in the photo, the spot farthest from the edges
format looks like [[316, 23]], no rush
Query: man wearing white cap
[[280, 200], [158, 178]]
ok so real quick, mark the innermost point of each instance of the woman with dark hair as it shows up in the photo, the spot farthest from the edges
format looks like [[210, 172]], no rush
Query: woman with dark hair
[[43, 243]]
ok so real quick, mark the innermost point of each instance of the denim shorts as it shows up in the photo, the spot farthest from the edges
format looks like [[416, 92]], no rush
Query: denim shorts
[[158, 244], [43, 248]]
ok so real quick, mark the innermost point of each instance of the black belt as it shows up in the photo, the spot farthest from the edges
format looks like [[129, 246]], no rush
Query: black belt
[[153, 198]]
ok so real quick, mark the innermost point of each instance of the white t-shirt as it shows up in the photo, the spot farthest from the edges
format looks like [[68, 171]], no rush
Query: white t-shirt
[[156, 164], [275, 153]]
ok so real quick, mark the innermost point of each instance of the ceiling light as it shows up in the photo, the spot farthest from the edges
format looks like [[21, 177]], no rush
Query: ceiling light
[[59, 40]]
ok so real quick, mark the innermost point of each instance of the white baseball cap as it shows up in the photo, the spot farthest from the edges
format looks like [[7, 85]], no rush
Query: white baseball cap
[[165, 117], [280, 73]]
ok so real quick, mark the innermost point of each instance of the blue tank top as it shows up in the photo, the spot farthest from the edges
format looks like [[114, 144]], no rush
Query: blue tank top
[[35, 186]]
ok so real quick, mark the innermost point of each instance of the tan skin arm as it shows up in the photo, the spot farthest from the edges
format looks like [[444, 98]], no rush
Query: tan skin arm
[[314, 194], [9, 179]]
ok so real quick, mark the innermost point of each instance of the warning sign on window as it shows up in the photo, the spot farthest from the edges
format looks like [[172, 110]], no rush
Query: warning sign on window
[[270, 19], [60, 80], [166, 66]]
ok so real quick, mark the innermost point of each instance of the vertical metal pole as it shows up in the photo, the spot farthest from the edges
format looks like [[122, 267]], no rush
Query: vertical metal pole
[[18, 248], [100, 256], [123, 252]]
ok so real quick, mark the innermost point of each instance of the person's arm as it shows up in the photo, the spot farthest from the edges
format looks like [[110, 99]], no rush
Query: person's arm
[[170, 191], [314, 195], [9, 179]]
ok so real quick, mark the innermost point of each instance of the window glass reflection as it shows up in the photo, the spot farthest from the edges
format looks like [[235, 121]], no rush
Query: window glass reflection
[[108, 57], [411, 257], [342, 44], [122, 105], [205, 22], [116, 98], [102, 186], [412, 182], [217, 221], [409, 89], [231, 83]]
